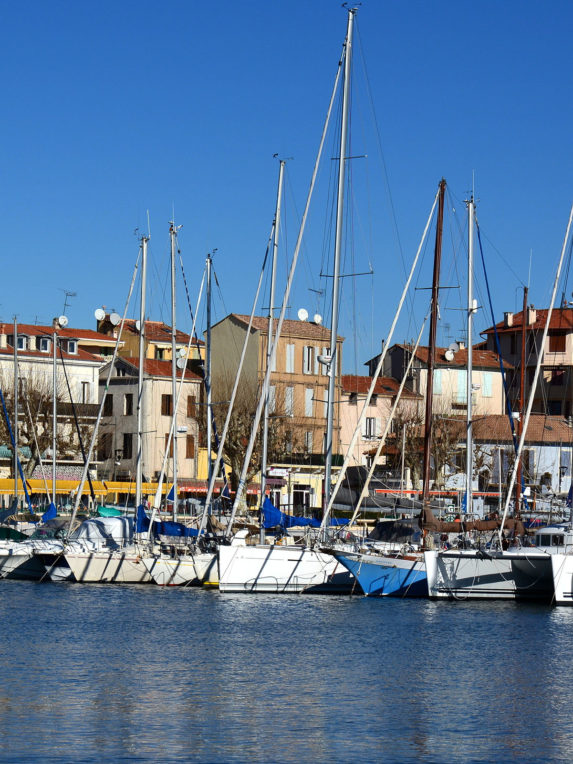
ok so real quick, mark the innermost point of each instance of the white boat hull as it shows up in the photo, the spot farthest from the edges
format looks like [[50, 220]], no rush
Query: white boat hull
[[184, 570], [280, 569], [474, 574], [119, 567], [563, 578]]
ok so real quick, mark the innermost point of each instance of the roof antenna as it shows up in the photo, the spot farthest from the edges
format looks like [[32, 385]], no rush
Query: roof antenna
[[67, 298]]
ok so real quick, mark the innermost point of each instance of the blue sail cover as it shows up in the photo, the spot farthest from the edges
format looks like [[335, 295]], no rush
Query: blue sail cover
[[273, 517], [162, 527], [50, 513]]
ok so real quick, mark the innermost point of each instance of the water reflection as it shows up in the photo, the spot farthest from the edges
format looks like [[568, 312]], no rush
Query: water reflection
[[111, 672]]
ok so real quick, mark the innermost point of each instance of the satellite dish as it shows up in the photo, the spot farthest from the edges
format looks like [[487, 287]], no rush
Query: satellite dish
[[449, 354], [182, 352], [137, 325], [99, 314], [181, 363], [302, 314], [115, 318], [454, 347], [63, 321], [317, 318]]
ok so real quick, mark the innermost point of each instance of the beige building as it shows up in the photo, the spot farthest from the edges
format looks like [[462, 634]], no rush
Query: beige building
[[354, 392], [158, 343], [450, 378], [80, 354], [118, 429], [554, 393], [298, 384]]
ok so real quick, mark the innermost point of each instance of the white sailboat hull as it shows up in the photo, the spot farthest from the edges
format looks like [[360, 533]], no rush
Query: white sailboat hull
[[563, 578], [118, 567], [184, 570], [474, 574], [280, 569]]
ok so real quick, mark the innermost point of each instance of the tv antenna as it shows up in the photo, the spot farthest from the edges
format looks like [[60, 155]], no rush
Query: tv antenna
[[67, 298]]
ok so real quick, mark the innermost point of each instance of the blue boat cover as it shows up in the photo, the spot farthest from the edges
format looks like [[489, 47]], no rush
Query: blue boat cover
[[162, 528], [273, 517], [50, 513]]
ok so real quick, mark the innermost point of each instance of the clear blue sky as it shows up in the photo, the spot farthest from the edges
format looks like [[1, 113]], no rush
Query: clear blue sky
[[113, 110]]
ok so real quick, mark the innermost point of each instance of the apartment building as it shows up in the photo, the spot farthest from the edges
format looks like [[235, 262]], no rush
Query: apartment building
[[554, 392]]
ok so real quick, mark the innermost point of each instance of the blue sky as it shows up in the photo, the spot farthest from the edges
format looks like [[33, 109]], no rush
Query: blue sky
[[113, 111]]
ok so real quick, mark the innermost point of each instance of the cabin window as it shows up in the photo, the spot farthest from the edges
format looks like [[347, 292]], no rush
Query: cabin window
[[557, 540], [166, 405]]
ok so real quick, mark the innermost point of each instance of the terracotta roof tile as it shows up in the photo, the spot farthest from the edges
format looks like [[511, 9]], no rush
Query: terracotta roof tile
[[160, 368], [352, 383], [561, 318], [481, 359], [304, 329]]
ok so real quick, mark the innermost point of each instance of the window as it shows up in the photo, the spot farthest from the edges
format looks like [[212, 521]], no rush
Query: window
[[289, 368], [307, 359], [353, 399], [370, 427], [190, 447], [512, 344], [531, 344], [308, 441], [325, 403], [166, 405], [191, 406], [72, 346], [272, 399], [374, 400], [437, 381], [45, 344], [462, 391], [128, 404], [557, 342], [108, 405], [170, 445], [22, 342], [127, 445], [487, 380], [289, 401], [159, 353], [85, 392], [105, 442], [558, 377], [308, 401]]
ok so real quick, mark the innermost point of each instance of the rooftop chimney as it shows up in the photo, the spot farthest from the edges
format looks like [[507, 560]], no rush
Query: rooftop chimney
[[531, 316], [508, 320]]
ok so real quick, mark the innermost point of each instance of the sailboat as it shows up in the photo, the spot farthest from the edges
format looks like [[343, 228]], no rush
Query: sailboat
[[383, 569], [289, 567], [497, 573]]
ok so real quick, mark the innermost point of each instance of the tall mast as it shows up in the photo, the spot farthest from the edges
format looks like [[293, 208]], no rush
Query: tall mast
[[15, 424], [521, 400], [209, 265], [173, 236], [337, 249], [139, 456], [432, 347], [54, 409], [469, 430], [265, 443]]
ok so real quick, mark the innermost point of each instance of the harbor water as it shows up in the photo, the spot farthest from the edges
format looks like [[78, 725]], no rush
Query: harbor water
[[126, 673]]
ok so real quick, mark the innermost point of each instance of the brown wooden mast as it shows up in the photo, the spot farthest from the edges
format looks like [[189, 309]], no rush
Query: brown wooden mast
[[432, 348]]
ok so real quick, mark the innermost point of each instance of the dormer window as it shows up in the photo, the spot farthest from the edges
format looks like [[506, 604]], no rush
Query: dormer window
[[72, 346], [44, 344], [22, 342]]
